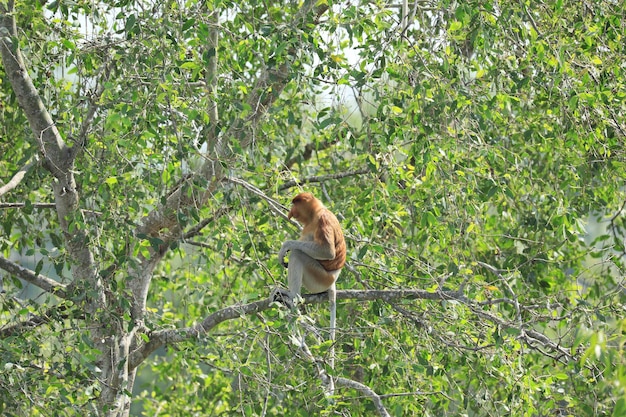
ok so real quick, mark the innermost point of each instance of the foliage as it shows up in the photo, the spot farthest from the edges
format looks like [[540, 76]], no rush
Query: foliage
[[478, 148]]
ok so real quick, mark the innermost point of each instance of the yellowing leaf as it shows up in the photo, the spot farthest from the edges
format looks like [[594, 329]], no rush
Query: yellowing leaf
[[336, 58], [456, 25]]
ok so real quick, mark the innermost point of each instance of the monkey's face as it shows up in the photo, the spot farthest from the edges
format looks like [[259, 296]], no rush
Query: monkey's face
[[302, 206], [294, 212]]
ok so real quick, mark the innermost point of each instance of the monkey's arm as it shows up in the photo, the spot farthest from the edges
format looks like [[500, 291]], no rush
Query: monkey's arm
[[314, 249]]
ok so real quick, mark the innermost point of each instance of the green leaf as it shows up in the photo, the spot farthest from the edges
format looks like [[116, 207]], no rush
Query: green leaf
[[188, 24], [130, 23], [39, 267], [620, 407]]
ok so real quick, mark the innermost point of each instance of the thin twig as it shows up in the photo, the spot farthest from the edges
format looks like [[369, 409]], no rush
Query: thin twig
[[322, 178], [273, 204]]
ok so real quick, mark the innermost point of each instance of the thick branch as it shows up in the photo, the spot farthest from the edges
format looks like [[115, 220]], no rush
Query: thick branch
[[41, 281], [170, 336], [165, 217], [57, 155]]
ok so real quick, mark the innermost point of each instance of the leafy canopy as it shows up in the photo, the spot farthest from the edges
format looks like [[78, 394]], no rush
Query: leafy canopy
[[468, 146]]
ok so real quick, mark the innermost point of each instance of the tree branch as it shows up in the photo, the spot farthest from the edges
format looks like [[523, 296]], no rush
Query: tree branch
[[272, 80], [41, 281], [322, 178], [23, 326], [266, 90], [57, 156], [365, 390], [527, 335], [274, 205], [93, 106], [165, 337], [171, 336], [45, 206], [308, 151], [18, 177], [22, 205], [58, 312], [328, 381]]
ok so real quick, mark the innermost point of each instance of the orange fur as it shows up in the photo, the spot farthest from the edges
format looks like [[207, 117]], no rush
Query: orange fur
[[320, 226]]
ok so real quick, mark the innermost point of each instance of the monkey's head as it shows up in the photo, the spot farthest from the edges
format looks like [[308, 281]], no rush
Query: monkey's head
[[304, 205]]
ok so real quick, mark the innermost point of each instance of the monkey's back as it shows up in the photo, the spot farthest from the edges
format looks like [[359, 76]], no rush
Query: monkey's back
[[332, 233]]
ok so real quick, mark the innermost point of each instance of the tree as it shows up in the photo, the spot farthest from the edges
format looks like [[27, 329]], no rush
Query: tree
[[473, 151]]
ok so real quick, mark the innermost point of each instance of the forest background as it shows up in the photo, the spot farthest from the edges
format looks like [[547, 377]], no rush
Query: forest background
[[472, 150]]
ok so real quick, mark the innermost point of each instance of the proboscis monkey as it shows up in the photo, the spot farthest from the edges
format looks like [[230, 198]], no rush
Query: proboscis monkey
[[316, 259]]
